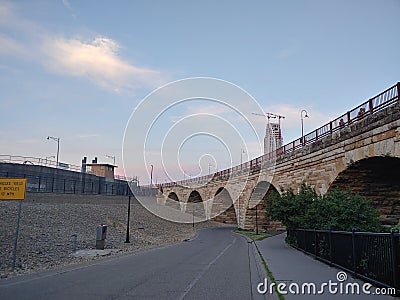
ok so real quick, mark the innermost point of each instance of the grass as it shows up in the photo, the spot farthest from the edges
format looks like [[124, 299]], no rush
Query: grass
[[271, 277], [251, 234], [258, 237]]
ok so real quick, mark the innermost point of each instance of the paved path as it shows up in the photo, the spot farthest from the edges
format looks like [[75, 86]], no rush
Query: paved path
[[217, 264], [292, 266]]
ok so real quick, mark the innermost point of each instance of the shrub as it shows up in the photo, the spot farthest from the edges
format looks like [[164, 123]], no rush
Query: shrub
[[337, 210]]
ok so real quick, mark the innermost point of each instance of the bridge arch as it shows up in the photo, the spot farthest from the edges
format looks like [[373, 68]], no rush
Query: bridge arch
[[173, 200], [256, 208], [195, 204], [377, 179], [223, 210]]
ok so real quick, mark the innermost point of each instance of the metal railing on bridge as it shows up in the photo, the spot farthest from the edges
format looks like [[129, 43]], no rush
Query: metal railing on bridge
[[381, 101]]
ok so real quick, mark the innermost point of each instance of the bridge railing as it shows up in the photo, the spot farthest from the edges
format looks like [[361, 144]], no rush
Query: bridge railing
[[385, 99]]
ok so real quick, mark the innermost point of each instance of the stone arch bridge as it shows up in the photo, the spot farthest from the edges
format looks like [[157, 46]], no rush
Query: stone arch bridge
[[359, 150]]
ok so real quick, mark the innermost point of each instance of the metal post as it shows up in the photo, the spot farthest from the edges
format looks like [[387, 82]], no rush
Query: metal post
[[16, 236], [398, 93], [330, 245], [151, 177], [256, 221], [354, 250], [315, 242], [302, 125], [127, 224], [193, 215], [394, 247], [75, 236], [58, 149]]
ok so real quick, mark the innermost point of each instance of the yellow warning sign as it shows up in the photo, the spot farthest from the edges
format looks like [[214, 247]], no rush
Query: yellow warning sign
[[12, 188]]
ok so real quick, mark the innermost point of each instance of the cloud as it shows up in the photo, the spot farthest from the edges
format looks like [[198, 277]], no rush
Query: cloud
[[69, 8], [11, 47], [89, 135], [99, 61], [5, 10]]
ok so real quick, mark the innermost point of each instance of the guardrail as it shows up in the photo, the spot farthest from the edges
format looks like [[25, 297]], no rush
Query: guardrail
[[385, 99]]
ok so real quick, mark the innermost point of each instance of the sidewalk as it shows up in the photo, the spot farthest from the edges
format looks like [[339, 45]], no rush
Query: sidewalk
[[291, 266]]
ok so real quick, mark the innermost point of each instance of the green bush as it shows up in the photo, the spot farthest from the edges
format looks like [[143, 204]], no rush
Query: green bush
[[337, 210]]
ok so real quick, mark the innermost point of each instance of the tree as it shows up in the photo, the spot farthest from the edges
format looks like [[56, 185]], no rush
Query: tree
[[337, 210], [290, 208]]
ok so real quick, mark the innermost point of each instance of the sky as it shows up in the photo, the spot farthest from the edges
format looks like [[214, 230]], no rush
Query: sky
[[79, 70]]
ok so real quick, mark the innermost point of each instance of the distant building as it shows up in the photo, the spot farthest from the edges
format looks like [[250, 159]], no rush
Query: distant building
[[101, 170], [273, 137]]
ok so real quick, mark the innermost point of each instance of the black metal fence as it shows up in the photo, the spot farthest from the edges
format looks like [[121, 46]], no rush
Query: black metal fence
[[50, 180], [373, 257]]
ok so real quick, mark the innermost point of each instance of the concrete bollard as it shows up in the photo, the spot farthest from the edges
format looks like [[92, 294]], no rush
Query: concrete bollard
[[101, 233]]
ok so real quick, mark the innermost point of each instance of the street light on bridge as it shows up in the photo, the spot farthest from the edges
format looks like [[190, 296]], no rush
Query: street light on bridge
[[209, 168], [302, 124], [241, 155], [57, 139]]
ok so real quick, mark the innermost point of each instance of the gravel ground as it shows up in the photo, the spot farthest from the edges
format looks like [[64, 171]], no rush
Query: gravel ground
[[49, 220]]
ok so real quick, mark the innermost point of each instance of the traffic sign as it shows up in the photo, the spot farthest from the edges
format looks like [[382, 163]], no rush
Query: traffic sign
[[12, 188]]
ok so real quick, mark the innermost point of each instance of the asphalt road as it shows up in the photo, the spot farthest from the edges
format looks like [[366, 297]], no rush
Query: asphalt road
[[217, 264]]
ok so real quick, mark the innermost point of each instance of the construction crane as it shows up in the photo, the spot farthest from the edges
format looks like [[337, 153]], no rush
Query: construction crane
[[271, 116]]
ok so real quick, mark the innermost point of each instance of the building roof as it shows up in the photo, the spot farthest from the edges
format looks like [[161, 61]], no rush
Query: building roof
[[96, 164]]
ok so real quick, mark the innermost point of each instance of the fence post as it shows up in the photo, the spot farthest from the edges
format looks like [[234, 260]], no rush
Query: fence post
[[353, 241], [398, 93], [371, 106], [52, 185], [315, 242], [83, 185], [39, 184], [348, 118], [330, 245], [330, 127], [394, 247], [64, 185]]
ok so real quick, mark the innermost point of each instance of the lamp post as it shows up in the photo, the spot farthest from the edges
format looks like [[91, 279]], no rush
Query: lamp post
[[241, 156], [111, 157], [209, 168], [151, 176], [127, 222], [256, 220], [302, 124], [57, 139]]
